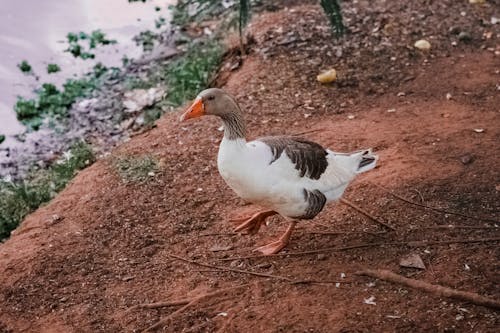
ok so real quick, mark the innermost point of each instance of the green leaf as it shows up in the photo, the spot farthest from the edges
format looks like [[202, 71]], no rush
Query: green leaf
[[53, 68], [25, 67]]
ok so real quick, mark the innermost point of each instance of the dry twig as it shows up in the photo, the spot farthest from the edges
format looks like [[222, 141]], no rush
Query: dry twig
[[277, 277], [433, 208], [452, 226], [365, 213], [321, 282], [359, 246], [227, 269], [215, 234], [326, 249], [454, 241], [187, 303], [337, 233], [467, 296]]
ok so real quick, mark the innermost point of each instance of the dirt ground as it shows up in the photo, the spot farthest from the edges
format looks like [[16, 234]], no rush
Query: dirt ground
[[86, 260]]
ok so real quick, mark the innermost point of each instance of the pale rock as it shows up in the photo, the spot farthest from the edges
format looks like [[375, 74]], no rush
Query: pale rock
[[412, 261], [423, 45]]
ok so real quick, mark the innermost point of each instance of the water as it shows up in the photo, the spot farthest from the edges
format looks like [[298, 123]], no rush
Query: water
[[35, 31]]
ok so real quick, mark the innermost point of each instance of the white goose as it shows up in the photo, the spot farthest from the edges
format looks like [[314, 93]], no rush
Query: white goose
[[288, 176]]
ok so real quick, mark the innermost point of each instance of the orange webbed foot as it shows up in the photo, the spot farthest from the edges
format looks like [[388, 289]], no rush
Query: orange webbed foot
[[280, 244], [271, 248], [251, 225]]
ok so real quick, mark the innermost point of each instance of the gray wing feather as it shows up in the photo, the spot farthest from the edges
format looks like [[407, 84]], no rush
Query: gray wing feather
[[309, 157]]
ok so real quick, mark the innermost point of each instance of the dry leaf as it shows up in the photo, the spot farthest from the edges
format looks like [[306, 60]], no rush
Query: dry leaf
[[412, 261], [217, 248]]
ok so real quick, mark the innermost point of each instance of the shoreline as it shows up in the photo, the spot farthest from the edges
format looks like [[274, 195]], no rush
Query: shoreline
[[122, 102]]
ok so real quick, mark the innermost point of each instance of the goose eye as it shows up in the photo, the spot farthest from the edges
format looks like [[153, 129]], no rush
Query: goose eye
[[211, 98]]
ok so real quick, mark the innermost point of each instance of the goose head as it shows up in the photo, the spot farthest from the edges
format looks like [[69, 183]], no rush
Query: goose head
[[214, 102]]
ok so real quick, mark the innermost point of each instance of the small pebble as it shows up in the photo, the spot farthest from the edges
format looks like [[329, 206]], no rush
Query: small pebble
[[467, 159], [328, 76], [423, 45], [464, 36]]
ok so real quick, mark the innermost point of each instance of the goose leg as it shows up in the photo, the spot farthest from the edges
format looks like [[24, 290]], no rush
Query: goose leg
[[251, 225], [277, 246]]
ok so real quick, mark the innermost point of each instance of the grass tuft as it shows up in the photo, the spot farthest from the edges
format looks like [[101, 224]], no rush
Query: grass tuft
[[188, 75], [18, 199], [137, 169]]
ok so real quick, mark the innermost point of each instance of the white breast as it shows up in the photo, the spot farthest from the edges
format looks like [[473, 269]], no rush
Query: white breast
[[247, 169]]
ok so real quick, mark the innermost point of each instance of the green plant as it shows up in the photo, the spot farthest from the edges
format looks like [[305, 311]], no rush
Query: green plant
[[146, 39], [186, 76], [186, 11], [125, 60], [137, 169], [2, 138], [159, 22], [18, 199], [183, 77], [25, 67], [26, 108], [53, 102], [99, 70], [53, 68], [206, 9], [79, 156], [132, 82], [94, 39]]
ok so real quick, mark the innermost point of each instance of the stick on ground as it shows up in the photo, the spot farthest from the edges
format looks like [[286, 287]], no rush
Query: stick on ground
[[433, 208], [365, 213], [415, 243], [187, 303], [467, 296], [227, 269]]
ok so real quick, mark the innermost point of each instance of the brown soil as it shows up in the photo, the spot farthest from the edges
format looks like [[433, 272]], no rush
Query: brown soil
[[102, 246]]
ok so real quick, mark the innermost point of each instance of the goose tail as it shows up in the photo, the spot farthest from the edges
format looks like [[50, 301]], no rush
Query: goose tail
[[367, 162]]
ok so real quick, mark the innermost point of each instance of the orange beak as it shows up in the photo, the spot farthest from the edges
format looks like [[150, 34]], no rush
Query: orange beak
[[197, 109]]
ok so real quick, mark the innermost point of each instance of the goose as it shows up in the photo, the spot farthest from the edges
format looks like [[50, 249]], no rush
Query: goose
[[285, 175]]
